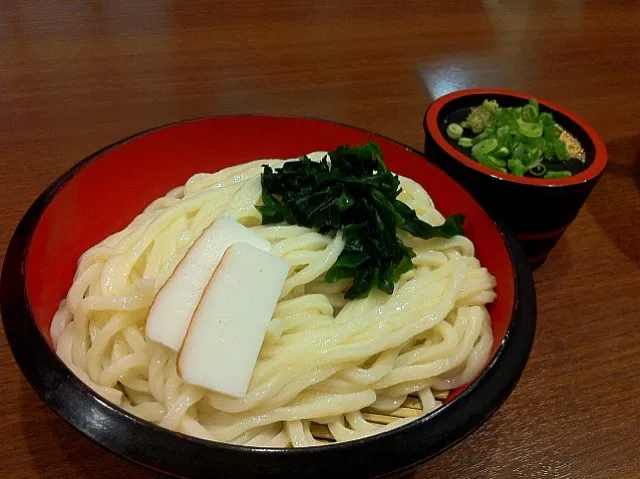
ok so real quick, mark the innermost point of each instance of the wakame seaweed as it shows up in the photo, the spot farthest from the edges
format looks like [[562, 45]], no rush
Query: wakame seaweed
[[351, 189]]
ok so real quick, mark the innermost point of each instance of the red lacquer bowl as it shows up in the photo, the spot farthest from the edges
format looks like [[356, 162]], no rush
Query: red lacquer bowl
[[536, 210], [103, 193]]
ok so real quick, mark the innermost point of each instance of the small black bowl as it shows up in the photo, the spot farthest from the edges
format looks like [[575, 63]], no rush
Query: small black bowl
[[537, 210]]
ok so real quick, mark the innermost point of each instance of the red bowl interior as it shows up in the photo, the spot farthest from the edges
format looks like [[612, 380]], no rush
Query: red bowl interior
[[108, 191]]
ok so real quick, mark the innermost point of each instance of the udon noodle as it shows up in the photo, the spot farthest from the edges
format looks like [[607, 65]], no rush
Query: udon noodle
[[324, 359]]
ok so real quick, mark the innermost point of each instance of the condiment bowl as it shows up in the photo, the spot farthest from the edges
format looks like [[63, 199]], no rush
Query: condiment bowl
[[537, 210]]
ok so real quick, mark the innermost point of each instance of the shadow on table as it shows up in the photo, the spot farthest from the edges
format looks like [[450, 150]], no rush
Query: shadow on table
[[58, 450], [620, 224], [409, 475], [635, 170]]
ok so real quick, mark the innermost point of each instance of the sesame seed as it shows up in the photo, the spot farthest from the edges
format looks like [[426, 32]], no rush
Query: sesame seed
[[573, 145]]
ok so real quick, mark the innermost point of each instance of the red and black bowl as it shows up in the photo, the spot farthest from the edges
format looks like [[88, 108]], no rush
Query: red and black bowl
[[536, 210], [103, 193]]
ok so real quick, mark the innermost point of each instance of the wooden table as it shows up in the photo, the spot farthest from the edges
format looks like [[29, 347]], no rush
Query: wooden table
[[75, 76]]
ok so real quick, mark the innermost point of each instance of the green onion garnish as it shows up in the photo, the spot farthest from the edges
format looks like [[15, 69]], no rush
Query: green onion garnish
[[454, 131], [552, 175]]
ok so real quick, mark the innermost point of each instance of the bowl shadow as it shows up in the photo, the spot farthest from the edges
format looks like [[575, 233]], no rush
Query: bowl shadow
[[619, 218]]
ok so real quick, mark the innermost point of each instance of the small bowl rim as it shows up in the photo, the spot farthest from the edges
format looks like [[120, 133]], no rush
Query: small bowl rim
[[45, 371], [591, 172]]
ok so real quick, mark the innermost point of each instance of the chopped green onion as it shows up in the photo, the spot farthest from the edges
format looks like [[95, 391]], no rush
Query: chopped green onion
[[552, 175], [491, 162], [546, 118], [496, 136], [530, 130], [454, 131], [560, 150], [516, 167], [484, 147], [465, 142], [538, 170], [530, 111], [488, 132], [503, 152], [535, 158]]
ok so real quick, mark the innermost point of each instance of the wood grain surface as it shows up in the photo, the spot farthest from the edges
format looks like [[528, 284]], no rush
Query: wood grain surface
[[76, 76]]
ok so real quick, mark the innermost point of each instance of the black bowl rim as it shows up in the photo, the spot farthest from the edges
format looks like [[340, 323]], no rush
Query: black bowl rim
[[154, 447], [590, 173]]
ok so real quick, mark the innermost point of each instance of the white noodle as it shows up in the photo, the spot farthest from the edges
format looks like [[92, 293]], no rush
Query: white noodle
[[324, 359]]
